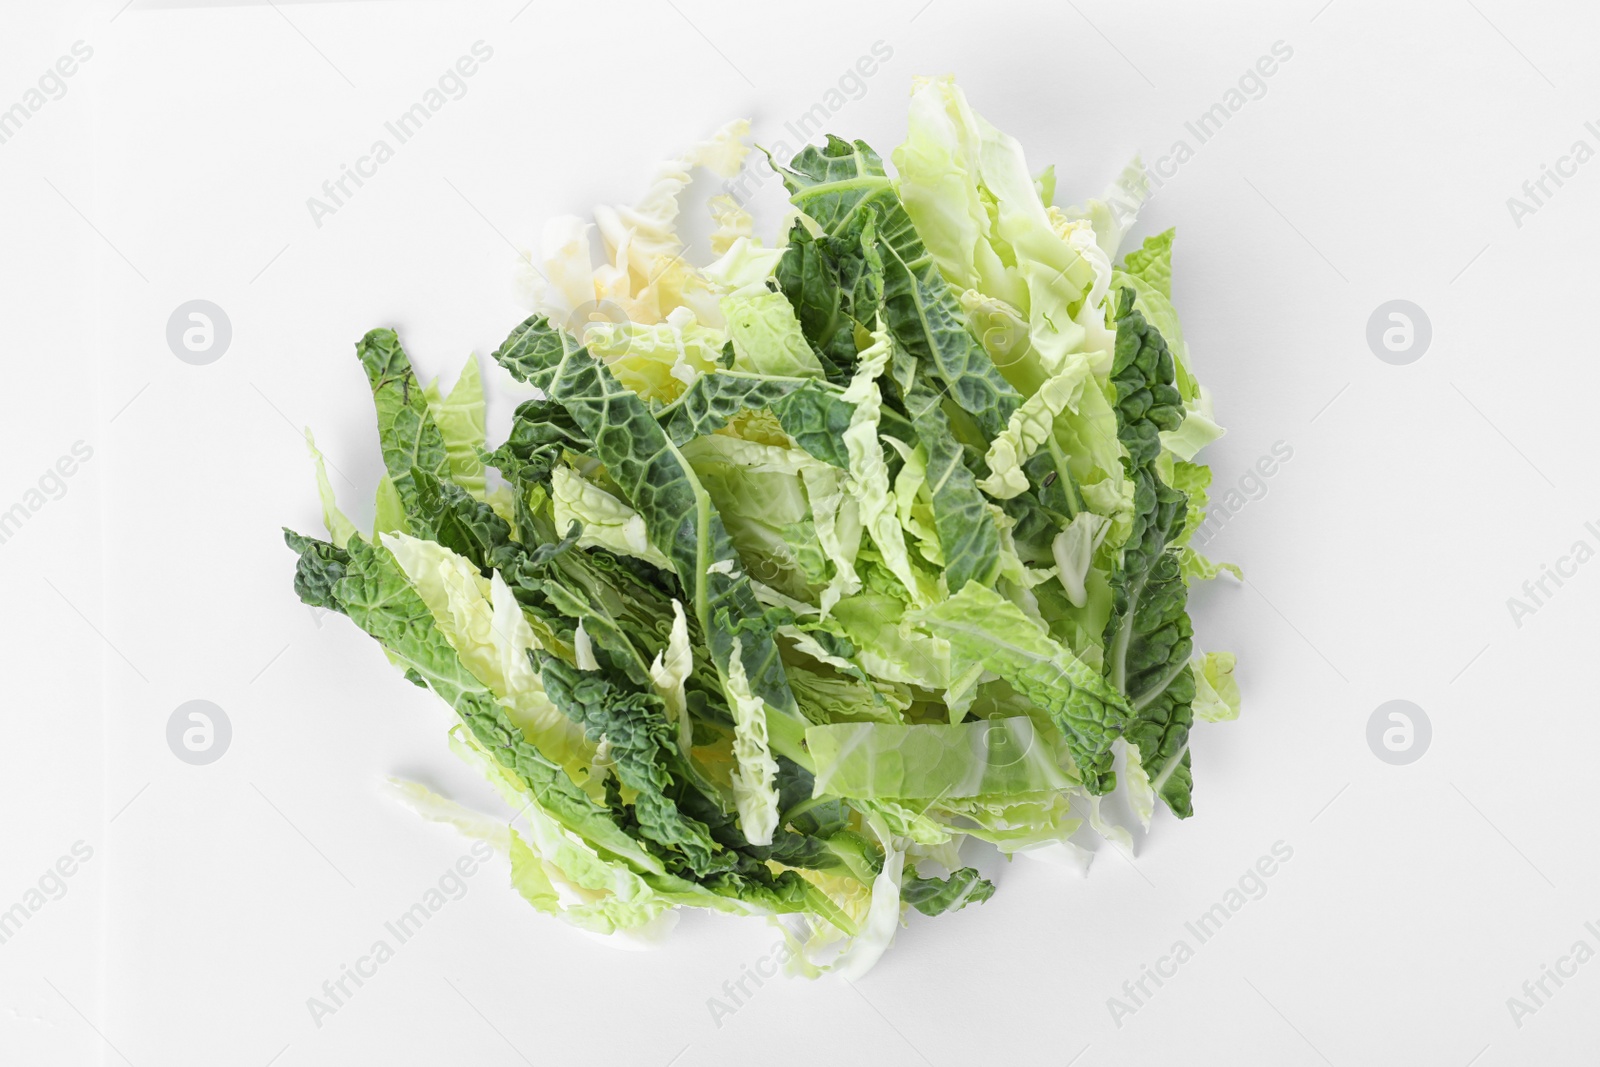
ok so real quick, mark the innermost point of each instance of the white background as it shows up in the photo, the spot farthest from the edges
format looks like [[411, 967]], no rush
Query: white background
[[1376, 166]]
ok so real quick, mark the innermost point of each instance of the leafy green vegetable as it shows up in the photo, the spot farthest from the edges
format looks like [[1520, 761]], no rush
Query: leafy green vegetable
[[755, 777], [375, 595], [835, 184], [804, 566], [638, 735], [985, 629], [766, 335], [410, 439], [461, 420], [985, 757], [1216, 691], [1149, 637], [661, 485], [968, 538], [835, 283], [814, 414], [935, 896]]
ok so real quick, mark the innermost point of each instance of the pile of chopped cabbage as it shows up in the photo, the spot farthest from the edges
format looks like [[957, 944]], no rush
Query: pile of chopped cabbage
[[808, 564]]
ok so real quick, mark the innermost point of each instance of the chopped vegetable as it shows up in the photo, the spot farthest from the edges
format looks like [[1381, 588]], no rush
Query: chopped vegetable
[[814, 561]]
